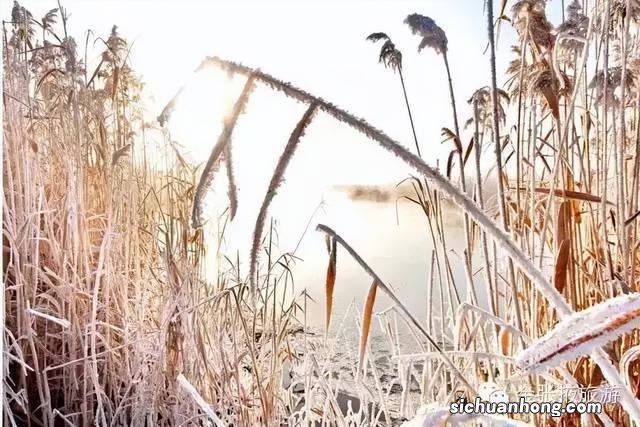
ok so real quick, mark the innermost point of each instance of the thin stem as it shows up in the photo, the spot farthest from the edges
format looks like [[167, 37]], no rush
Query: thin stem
[[495, 115], [498, 152], [451, 94], [406, 100]]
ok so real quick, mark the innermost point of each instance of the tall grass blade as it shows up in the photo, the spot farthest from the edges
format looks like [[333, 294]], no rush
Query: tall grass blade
[[367, 314], [330, 282]]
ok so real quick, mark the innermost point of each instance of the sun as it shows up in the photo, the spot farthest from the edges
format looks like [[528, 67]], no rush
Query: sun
[[200, 110]]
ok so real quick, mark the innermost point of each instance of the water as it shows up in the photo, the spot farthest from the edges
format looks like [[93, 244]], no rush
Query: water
[[395, 244]]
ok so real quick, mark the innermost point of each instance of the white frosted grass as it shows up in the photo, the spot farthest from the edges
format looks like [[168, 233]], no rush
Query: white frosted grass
[[440, 416], [62, 322], [511, 249], [206, 408], [581, 333]]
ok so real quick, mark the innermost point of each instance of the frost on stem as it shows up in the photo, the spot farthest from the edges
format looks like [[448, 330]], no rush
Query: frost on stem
[[582, 332]]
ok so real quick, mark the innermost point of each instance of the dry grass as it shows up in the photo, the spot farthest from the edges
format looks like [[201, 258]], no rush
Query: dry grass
[[108, 316]]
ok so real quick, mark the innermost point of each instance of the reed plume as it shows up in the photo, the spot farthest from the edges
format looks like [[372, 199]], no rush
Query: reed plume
[[391, 57], [222, 148], [576, 24], [435, 38], [529, 17], [432, 35], [276, 180], [481, 99]]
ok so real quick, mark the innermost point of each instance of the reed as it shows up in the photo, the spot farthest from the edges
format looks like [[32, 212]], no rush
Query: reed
[[110, 319]]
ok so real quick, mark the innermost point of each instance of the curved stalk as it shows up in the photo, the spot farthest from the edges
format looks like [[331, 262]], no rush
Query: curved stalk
[[403, 309], [536, 276], [276, 180]]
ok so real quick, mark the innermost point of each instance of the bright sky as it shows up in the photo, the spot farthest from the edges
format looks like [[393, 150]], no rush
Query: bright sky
[[319, 46]]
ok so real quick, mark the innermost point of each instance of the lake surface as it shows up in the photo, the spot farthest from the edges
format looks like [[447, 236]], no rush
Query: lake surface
[[392, 238], [398, 247]]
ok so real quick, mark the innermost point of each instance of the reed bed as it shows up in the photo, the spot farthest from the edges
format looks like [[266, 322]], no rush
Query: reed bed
[[110, 319]]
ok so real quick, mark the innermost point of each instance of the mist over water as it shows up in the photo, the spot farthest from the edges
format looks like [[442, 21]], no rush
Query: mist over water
[[392, 236]]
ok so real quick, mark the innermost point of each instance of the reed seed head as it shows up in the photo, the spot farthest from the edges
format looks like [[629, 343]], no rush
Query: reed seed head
[[432, 35]]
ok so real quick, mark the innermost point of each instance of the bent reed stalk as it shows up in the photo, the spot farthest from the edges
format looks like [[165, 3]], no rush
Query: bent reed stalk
[[536, 276], [276, 180], [387, 290]]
